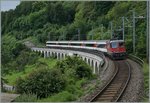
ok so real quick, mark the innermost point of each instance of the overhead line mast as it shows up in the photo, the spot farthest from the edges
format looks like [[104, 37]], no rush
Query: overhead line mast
[[147, 36]]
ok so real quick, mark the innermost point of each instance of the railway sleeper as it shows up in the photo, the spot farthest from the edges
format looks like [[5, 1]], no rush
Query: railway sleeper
[[110, 92], [114, 86], [107, 95], [105, 98], [116, 83], [119, 81]]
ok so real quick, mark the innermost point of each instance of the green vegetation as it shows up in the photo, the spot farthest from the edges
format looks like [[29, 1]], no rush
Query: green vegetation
[[39, 21], [61, 20], [26, 98], [63, 82], [63, 96], [74, 67], [11, 77], [42, 82], [146, 82]]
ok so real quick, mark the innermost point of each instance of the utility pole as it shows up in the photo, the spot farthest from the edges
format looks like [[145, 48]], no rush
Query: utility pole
[[147, 37], [92, 33], [49, 36], [102, 28], [79, 34], [123, 26], [111, 24], [133, 20], [63, 36], [102, 31]]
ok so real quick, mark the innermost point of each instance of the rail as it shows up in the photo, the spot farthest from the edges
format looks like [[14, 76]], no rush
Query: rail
[[107, 84], [114, 89], [136, 59], [129, 76]]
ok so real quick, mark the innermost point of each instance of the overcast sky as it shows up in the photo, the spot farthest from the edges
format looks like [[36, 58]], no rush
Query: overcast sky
[[9, 4]]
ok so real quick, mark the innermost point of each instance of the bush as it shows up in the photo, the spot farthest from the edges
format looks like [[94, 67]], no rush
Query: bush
[[43, 82], [83, 71], [25, 57], [74, 67]]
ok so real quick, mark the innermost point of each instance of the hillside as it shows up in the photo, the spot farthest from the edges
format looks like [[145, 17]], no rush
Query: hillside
[[39, 21], [35, 22], [58, 20]]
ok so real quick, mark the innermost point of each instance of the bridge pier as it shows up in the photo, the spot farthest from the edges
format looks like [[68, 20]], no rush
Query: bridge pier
[[44, 54], [94, 67], [90, 59], [47, 53]]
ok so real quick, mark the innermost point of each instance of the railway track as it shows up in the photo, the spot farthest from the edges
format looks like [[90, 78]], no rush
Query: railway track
[[116, 86]]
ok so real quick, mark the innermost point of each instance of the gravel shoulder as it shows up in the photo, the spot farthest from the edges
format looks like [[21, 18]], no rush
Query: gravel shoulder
[[104, 77], [135, 88]]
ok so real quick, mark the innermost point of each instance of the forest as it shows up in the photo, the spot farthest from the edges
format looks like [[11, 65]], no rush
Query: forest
[[58, 20], [40, 21]]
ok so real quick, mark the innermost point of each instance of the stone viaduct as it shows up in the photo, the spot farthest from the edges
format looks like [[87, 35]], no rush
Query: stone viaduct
[[94, 61]]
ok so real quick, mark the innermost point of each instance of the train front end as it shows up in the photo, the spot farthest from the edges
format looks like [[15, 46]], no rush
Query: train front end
[[116, 49]]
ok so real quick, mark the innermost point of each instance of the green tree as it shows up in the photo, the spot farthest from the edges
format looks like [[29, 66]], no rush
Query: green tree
[[43, 82]]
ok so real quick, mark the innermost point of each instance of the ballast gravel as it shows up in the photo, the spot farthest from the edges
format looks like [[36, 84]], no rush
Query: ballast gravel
[[105, 75], [134, 90]]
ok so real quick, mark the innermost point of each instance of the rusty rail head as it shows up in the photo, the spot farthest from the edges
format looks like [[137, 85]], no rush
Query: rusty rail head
[[129, 73], [116, 71]]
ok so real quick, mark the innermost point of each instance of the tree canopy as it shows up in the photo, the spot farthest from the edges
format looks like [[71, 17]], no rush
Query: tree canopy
[[63, 20]]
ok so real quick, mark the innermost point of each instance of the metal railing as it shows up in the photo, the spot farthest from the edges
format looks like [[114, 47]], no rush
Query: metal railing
[[136, 59]]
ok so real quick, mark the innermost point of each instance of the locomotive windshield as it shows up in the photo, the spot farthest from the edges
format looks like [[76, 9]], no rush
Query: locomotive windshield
[[121, 44], [114, 44]]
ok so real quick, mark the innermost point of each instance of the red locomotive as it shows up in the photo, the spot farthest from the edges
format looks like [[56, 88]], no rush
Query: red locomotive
[[116, 49]]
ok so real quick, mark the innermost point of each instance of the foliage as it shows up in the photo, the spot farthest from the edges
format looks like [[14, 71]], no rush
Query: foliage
[[15, 55], [146, 82], [39, 21], [26, 98], [51, 77], [63, 79], [63, 96], [75, 67], [7, 48], [62, 20], [43, 82], [41, 62]]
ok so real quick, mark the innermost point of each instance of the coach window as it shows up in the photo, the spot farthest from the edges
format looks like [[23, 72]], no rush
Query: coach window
[[101, 46], [114, 44]]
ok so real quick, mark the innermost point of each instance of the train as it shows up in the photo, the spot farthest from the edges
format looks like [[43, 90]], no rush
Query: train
[[115, 49]]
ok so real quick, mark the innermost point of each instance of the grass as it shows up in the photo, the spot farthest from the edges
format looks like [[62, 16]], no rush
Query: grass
[[72, 91], [146, 82], [11, 78], [49, 61], [26, 98], [63, 96]]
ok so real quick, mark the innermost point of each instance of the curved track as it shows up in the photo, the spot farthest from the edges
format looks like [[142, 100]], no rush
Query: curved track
[[116, 86]]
